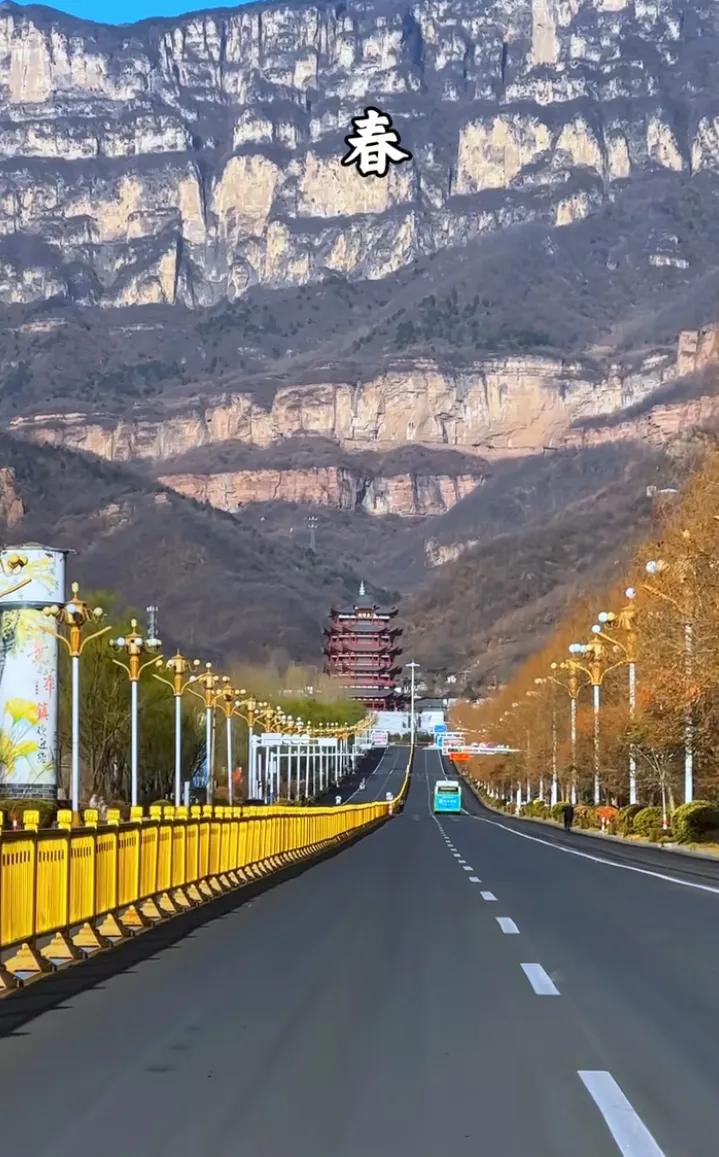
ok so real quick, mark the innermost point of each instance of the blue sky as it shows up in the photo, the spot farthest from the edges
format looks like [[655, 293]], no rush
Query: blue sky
[[126, 11]]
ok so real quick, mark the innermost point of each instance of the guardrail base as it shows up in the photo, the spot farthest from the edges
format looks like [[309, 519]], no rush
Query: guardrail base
[[60, 951], [26, 964], [110, 930]]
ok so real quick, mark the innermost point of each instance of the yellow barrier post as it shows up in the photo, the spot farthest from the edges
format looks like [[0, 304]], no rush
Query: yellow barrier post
[[81, 889]]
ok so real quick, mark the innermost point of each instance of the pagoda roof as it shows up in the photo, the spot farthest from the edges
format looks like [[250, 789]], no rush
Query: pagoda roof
[[364, 602]]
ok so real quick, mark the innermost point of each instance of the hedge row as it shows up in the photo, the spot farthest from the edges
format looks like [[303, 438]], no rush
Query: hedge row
[[695, 822]]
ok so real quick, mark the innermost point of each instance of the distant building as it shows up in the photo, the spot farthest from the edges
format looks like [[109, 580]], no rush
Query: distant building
[[362, 649]]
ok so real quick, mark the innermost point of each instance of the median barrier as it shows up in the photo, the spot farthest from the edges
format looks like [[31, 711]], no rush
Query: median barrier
[[69, 892]]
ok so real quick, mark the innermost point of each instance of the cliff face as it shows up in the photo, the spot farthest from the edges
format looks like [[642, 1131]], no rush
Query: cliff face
[[185, 160], [502, 406], [402, 494], [12, 508]]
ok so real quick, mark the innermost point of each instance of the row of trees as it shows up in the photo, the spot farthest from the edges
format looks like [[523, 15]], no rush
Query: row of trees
[[644, 682], [105, 717]]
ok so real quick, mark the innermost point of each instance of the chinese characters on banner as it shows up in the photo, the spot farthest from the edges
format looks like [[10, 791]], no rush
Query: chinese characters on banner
[[374, 145]]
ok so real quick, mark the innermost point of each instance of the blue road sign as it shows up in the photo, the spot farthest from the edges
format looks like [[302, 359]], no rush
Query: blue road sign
[[440, 728]]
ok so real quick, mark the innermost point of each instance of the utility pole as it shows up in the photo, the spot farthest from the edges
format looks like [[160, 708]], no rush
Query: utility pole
[[313, 523]]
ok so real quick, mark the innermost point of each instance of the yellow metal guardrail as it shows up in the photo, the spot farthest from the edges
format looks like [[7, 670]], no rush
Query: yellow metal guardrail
[[68, 892]]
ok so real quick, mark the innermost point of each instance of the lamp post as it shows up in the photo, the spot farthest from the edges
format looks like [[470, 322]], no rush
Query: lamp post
[[74, 616], [179, 667], [209, 682], [134, 646], [412, 668], [597, 672], [572, 688], [554, 787], [228, 699], [687, 611], [625, 622]]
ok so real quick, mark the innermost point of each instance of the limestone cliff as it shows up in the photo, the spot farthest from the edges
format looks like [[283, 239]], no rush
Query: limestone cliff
[[501, 406], [406, 495], [184, 160], [12, 508]]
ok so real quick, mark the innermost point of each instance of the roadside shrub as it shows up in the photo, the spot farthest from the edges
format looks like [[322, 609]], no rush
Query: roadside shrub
[[585, 817], [535, 808], [607, 817], [625, 818], [694, 822], [556, 812], [648, 823], [16, 808]]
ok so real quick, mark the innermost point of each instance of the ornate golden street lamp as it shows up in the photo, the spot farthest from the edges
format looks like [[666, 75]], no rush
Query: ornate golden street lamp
[[624, 622], [209, 682], [72, 619], [596, 668], [184, 673], [572, 688], [687, 612], [134, 645], [228, 698]]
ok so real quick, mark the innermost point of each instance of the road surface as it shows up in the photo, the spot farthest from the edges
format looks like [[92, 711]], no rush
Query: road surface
[[381, 1004], [388, 776]]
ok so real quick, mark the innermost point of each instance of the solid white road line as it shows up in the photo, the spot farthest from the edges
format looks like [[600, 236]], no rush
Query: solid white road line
[[474, 879], [542, 984], [628, 1130], [508, 925], [488, 895], [600, 859]]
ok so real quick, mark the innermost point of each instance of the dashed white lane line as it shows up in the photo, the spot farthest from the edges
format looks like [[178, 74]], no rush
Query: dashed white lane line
[[508, 925], [600, 859], [467, 868], [627, 1128], [474, 879], [488, 895], [542, 984]]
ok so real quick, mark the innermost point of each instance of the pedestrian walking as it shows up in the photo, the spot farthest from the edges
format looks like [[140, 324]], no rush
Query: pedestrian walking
[[568, 814]]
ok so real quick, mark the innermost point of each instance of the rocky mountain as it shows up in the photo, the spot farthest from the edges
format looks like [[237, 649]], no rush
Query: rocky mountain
[[451, 366], [183, 161]]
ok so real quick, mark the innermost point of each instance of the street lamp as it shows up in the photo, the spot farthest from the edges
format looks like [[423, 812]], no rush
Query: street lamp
[[625, 622], [228, 699], [687, 612], [209, 683], [412, 668], [134, 646], [572, 688], [180, 667], [596, 672], [74, 617]]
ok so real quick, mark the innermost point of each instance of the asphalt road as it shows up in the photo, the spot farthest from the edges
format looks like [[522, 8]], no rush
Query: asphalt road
[[388, 776], [375, 1006]]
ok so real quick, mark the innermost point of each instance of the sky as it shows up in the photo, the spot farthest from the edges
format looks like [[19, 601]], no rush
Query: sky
[[127, 11]]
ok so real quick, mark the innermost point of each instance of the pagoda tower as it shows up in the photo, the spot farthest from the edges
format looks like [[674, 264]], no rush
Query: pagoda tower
[[362, 648]]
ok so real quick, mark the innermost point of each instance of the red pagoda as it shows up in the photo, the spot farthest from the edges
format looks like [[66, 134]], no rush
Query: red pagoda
[[362, 646]]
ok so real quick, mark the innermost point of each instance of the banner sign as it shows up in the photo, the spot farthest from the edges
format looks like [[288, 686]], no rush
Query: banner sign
[[28, 672]]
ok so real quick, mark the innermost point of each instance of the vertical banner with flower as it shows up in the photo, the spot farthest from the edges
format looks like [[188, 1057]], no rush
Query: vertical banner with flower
[[28, 673]]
